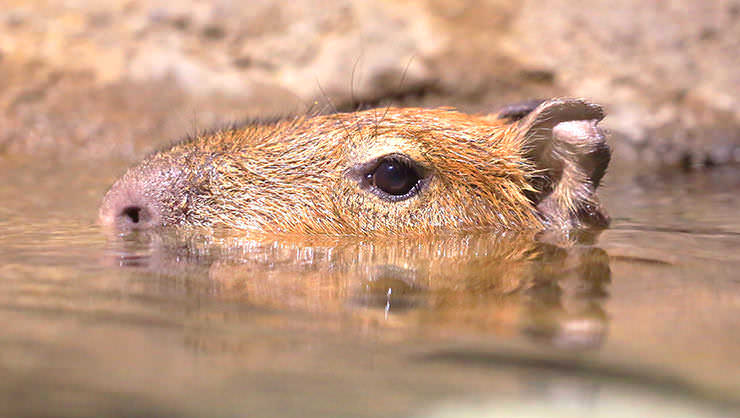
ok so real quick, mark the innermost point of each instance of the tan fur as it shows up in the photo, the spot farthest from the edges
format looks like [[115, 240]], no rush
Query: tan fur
[[292, 176]]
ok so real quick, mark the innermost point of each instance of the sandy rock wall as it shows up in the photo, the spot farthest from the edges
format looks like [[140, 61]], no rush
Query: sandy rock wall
[[118, 78]]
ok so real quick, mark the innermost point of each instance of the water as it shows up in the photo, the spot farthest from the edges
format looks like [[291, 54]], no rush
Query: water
[[643, 320]]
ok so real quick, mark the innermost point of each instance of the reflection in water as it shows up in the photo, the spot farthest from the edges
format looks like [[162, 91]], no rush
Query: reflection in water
[[203, 325], [505, 285]]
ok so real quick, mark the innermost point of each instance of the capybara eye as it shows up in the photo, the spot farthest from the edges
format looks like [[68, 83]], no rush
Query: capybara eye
[[393, 178]]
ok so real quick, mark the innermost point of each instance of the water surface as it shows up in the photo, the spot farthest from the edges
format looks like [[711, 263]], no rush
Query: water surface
[[643, 319]]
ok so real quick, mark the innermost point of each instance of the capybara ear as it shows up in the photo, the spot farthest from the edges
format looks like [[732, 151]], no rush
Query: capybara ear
[[515, 111], [570, 155]]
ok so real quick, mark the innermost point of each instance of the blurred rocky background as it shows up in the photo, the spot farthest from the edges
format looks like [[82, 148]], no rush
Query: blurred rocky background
[[115, 79]]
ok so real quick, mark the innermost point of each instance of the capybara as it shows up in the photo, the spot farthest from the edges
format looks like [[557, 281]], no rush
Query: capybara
[[380, 171]]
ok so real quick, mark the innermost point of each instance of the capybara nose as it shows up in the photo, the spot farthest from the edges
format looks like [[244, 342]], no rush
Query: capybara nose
[[125, 208], [139, 199], [156, 193], [135, 216]]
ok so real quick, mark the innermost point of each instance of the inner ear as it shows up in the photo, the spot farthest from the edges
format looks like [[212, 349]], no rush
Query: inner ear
[[570, 155]]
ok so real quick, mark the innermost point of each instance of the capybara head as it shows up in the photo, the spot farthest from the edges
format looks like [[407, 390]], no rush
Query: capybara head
[[381, 171]]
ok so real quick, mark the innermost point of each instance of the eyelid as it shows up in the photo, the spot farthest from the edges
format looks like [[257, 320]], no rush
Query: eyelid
[[360, 171]]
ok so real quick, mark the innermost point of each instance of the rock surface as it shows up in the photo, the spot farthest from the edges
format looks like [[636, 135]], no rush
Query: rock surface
[[118, 78]]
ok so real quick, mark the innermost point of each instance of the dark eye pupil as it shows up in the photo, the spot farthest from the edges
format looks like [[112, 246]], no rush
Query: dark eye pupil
[[395, 178]]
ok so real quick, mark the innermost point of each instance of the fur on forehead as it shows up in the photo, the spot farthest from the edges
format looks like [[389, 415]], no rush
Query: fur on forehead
[[379, 146], [420, 135]]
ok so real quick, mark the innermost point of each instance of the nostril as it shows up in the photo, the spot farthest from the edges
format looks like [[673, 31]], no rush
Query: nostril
[[132, 214], [135, 216], [131, 204]]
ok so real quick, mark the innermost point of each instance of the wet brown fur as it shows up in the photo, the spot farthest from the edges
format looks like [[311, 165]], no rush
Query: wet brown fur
[[291, 176]]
